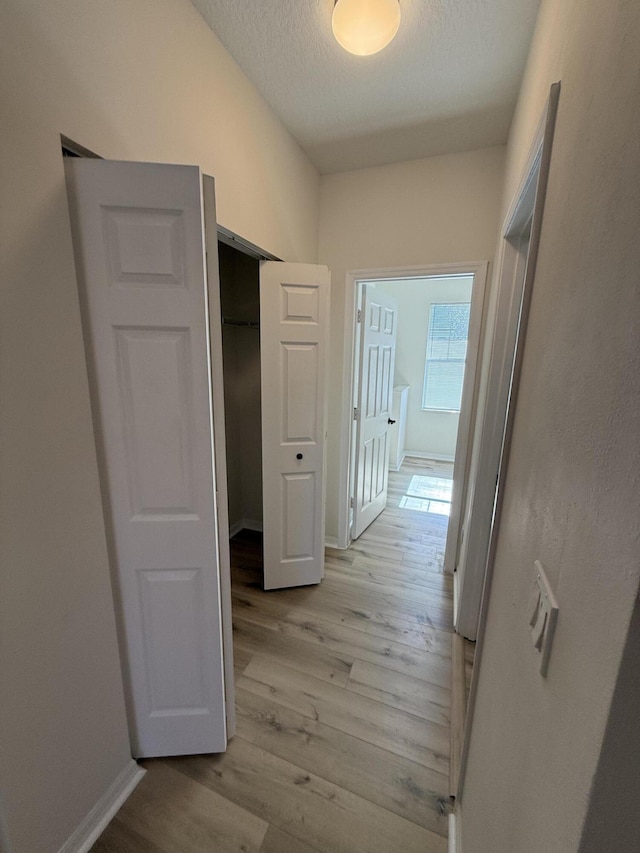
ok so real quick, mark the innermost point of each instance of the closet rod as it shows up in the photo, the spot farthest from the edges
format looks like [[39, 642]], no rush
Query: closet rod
[[249, 324]]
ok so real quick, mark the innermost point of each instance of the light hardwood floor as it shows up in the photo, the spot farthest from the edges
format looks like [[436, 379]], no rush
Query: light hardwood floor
[[343, 703]]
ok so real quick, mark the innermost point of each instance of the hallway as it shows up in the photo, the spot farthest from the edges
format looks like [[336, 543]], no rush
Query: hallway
[[342, 699]]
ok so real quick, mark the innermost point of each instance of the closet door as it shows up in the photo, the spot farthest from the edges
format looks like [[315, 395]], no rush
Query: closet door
[[138, 239], [294, 320]]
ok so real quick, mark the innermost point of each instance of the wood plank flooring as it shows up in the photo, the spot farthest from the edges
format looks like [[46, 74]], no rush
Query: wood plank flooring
[[343, 704], [469, 659]]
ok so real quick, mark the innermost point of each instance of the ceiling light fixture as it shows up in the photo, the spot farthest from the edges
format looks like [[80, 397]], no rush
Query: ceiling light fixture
[[364, 27]]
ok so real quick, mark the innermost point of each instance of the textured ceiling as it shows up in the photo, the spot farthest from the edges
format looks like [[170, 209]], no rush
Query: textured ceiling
[[448, 82]]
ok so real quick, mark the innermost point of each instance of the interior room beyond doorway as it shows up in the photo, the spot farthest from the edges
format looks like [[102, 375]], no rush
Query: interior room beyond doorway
[[433, 331], [427, 319]]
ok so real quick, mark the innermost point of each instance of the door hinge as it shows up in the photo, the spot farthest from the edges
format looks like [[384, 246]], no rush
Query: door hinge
[[356, 413], [352, 503], [359, 320]]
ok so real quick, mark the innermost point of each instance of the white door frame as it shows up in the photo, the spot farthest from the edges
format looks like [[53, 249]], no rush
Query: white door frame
[[511, 264], [214, 233], [478, 269], [535, 175]]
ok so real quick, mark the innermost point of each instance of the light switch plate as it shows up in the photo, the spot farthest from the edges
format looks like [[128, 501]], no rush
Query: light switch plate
[[543, 616]]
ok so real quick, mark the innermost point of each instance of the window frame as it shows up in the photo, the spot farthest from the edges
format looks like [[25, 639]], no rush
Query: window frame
[[423, 406]]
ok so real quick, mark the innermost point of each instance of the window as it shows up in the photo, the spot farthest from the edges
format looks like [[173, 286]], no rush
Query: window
[[447, 339]]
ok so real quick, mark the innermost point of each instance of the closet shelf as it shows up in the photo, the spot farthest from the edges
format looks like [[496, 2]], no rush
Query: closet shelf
[[248, 324]]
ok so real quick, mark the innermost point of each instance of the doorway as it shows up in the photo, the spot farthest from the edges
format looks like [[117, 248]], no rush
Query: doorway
[[515, 275], [240, 310], [432, 391], [423, 394]]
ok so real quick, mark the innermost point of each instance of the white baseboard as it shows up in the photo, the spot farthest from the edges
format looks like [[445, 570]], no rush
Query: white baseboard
[[455, 834], [245, 524], [235, 528], [86, 835], [453, 841], [421, 454], [398, 464], [331, 542]]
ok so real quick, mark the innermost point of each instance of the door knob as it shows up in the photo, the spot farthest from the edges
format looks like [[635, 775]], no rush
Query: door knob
[[298, 455], [389, 421]]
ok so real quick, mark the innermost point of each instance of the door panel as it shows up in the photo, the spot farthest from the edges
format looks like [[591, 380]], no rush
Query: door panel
[[300, 398], [138, 240], [299, 503], [144, 247], [172, 595], [157, 424], [294, 319], [376, 365]]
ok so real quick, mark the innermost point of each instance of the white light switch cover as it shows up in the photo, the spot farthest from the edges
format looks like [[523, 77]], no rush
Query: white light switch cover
[[544, 615]]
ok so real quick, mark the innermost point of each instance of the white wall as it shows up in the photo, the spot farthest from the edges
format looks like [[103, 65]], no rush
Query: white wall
[[146, 81], [433, 211], [572, 497], [429, 432], [615, 793]]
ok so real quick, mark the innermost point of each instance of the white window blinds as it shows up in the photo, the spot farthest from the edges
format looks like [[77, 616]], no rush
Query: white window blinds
[[447, 339]]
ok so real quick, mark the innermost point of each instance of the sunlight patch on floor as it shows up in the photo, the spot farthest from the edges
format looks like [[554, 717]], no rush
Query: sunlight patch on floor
[[428, 494]]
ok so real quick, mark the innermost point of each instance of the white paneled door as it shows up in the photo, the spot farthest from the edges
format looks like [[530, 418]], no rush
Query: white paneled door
[[138, 239], [294, 319], [379, 319]]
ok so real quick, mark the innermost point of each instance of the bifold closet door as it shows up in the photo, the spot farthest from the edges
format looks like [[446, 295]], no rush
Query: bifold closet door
[[294, 321], [138, 239]]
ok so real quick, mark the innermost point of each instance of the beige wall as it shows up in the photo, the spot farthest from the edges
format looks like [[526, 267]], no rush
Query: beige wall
[[434, 211], [429, 432], [615, 793], [572, 498], [143, 80]]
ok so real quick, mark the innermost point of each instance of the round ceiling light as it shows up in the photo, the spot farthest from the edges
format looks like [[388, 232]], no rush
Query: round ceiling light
[[364, 27]]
